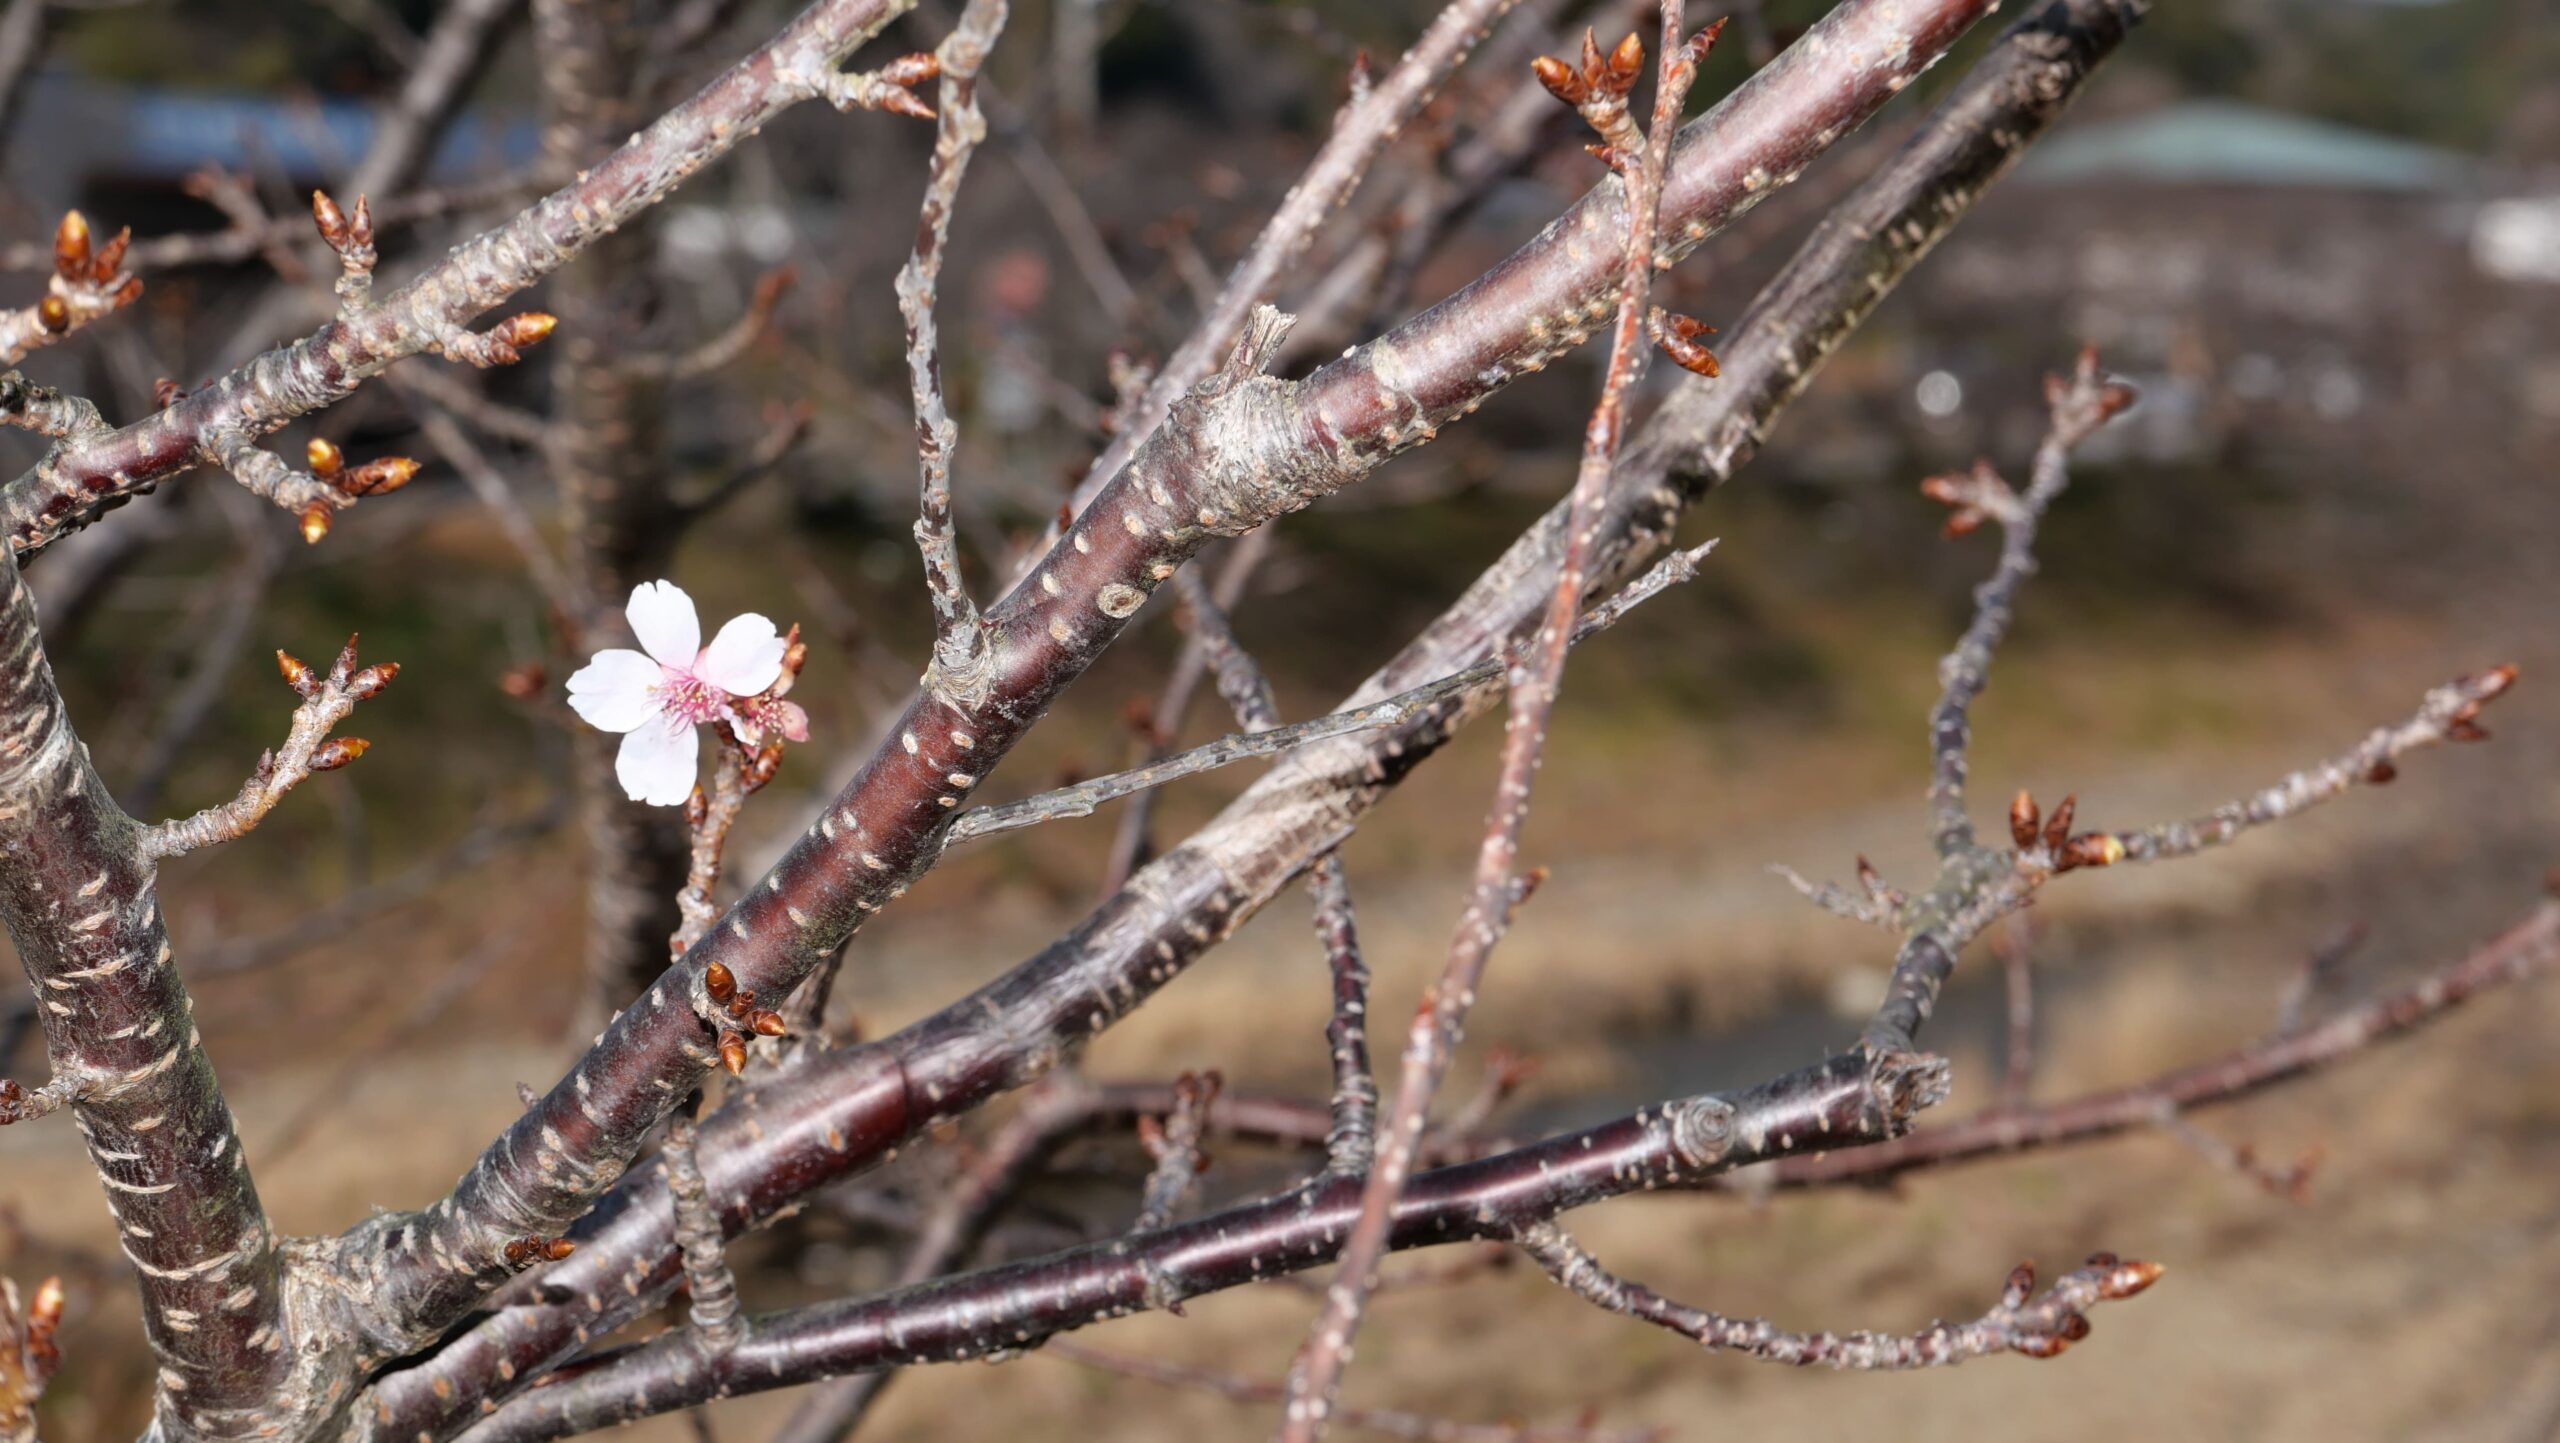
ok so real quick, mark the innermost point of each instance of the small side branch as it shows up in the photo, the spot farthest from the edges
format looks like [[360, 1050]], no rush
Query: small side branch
[[2450, 713], [19, 1105], [89, 282], [1176, 1145], [1351, 1137], [2079, 406], [1315, 1377], [962, 648], [308, 748], [2038, 1325], [717, 1324]]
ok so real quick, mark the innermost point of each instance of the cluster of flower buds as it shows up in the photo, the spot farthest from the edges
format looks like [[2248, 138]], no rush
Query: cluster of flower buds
[[890, 88], [88, 282], [2053, 835], [1974, 496], [1597, 89], [373, 478], [2087, 398], [1677, 335], [30, 1352], [345, 681], [343, 675], [525, 1252], [2107, 1277], [351, 236], [721, 985], [85, 275]]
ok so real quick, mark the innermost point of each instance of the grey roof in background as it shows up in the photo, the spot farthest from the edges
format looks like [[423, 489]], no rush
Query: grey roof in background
[[2217, 142]]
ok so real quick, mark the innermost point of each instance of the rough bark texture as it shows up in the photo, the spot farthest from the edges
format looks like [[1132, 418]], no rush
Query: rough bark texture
[[845, 1110], [77, 893]]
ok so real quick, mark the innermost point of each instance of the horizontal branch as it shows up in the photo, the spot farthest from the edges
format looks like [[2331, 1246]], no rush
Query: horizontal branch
[[1837, 1103], [2528, 950]]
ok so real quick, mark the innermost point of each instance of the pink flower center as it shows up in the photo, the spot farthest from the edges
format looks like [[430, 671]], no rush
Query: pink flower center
[[689, 698]]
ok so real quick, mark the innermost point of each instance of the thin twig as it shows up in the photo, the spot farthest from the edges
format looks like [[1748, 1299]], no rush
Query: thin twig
[[1081, 798], [2023, 1322], [1315, 1377]]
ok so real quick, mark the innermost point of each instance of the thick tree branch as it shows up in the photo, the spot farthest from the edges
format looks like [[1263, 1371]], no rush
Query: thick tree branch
[[850, 1106], [1841, 1102], [78, 894]]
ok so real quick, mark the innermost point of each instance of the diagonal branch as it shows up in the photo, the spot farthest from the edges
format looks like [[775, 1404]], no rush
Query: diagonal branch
[[855, 1104], [73, 484], [2040, 1326], [1315, 1377]]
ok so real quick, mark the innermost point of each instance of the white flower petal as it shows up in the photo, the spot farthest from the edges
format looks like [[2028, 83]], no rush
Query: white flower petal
[[745, 658], [612, 691], [662, 617], [656, 763]]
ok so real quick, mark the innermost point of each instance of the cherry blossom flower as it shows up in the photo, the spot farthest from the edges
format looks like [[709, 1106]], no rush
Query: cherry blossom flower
[[656, 700]]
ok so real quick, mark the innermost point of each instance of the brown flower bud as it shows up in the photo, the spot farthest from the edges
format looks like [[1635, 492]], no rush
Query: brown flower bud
[[526, 328], [368, 683], [768, 1024], [2057, 827], [377, 478], [336, 752], [1677, 336], [1705, 40], [360, 225], [110, 259], [166, 393], [720, 983], [1626, 62], [331, 220], [901, 102], [1559, 79], [2127, 1279], [557, 1248], [2020, 1286], [913, 69], [296, 675], [733, 1053], [2075, 1326], [54, 314], [315, 524], [2381, 773], [2023, 819], [71, 253], [2089, 849], [324, 458]]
